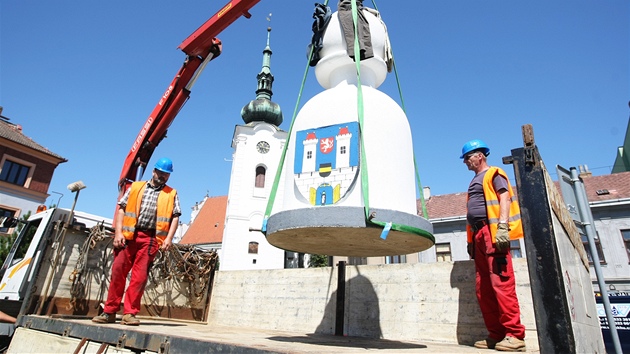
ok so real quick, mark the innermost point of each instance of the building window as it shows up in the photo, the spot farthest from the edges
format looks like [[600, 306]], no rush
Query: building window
[[260, 177], [309, 155], [357, 260], [443, 252], [342, 150], [253, 248], [598, 246], [626, 240], [395, 259], [5, 213], [14, 172], [515, 249]]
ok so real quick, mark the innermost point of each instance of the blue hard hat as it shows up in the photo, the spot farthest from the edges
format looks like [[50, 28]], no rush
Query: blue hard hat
[[165, 165], [475, 145]]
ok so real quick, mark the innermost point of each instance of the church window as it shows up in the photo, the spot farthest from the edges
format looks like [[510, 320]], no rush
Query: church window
[[260, 177], [253, 248]]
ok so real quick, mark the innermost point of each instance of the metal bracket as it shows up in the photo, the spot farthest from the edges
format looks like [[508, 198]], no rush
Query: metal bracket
[[528, 143], [66, 331], [121, 341], [529, 156], [164, 347]]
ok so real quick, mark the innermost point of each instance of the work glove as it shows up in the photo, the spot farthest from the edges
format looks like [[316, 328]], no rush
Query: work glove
[[503, 237], [470, 250]]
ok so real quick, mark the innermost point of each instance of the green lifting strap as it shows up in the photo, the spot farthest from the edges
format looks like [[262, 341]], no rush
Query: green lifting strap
[[387, 226], [402, 103], [276, 180]]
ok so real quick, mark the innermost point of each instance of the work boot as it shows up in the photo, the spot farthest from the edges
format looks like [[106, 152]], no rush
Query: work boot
[[487, 343], [511, 344], [105, 318], [130, 320]]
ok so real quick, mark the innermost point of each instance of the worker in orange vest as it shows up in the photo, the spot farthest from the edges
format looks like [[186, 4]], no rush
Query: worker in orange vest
[[494, 219], [148, 216]]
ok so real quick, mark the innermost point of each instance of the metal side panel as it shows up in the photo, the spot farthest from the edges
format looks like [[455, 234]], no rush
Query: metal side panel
[[31, 341], [149, 337]]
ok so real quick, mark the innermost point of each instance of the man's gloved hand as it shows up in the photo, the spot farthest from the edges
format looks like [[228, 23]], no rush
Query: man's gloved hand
[[503, 237], [470, 250]]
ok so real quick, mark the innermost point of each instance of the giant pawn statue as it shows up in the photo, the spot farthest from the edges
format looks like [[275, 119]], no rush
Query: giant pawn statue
[[349, 178]]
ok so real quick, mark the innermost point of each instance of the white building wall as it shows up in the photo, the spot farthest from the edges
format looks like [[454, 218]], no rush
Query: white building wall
[[609, 221], [247, 203], [23, 203]]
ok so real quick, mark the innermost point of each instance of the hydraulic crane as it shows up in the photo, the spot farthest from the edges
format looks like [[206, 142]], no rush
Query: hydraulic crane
[[200, 48]]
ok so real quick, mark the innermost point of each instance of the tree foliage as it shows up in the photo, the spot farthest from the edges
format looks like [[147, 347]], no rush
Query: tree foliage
[[6, 242], [317, 261]]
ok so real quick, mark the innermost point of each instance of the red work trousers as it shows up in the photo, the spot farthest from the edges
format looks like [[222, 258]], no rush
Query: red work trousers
[[496, 288], [136, 257]]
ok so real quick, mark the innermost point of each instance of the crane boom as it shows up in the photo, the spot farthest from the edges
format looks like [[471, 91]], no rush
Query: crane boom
[[200, 47]]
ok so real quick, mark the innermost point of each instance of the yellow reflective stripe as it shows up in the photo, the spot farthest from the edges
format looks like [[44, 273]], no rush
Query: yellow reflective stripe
[[21, 265]]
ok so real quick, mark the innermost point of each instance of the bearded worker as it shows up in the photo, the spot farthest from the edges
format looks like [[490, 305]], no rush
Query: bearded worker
[[146, 221], [494, 219]]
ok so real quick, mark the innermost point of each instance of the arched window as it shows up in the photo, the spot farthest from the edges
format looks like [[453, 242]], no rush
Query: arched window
[[253, 247], [260, 177]]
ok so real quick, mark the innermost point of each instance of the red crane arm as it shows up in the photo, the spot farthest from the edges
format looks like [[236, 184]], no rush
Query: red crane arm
[[200, 47], [197, 42]]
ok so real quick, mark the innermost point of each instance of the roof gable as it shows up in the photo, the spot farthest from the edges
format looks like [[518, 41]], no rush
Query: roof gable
[[14, 133], [209, 224]]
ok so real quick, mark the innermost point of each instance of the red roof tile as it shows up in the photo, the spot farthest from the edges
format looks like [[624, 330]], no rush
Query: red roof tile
[[14, 133], [617, 185], [445, 206], [209, 224]]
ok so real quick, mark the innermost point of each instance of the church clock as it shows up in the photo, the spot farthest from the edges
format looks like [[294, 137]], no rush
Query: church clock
[[262, 147]]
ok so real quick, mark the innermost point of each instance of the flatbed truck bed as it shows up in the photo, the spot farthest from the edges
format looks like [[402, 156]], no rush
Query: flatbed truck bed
[[173, 336]]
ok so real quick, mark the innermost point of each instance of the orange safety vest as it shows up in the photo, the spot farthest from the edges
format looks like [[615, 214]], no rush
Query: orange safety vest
[[165, 205], [493, 209]]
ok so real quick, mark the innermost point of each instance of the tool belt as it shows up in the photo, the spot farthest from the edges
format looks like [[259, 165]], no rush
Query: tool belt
[[478, 225], [146, 230]]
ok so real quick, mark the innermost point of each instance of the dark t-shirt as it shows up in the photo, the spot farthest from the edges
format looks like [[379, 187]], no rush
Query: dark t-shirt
[[476, 207]]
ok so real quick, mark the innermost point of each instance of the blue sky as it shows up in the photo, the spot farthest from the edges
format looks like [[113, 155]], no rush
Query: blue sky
[[81, 77]]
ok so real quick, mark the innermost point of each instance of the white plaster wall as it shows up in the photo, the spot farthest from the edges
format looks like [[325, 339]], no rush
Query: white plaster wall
[[23, 203], [247, 204], [608, 223]]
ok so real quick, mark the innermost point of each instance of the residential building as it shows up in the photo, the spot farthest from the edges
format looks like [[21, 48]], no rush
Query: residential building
[[26, 169], [207, 224]]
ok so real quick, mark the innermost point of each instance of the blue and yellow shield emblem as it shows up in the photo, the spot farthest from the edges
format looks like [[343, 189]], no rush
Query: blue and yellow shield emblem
[[326, 162]]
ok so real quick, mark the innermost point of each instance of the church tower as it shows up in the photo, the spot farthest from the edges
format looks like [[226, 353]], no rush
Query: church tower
[[257, 148]]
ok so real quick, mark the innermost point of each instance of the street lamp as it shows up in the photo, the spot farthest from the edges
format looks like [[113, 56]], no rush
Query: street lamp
[[73, 187]]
